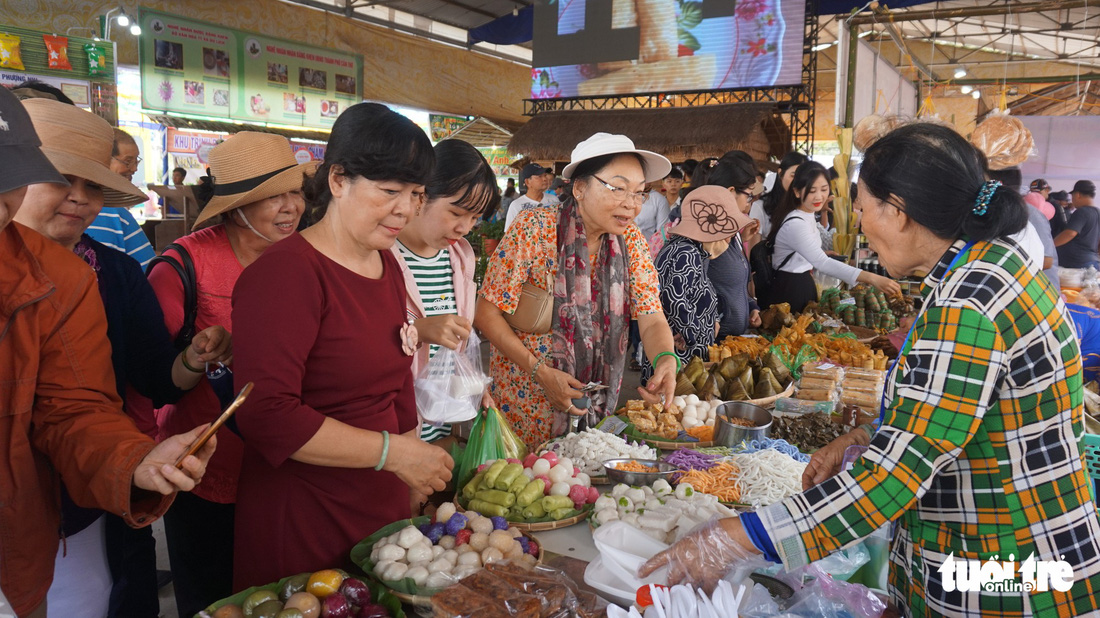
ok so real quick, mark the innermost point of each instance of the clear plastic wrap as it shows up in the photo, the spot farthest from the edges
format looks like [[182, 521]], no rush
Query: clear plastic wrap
[[504, 589], [790, 405], [450, 387]]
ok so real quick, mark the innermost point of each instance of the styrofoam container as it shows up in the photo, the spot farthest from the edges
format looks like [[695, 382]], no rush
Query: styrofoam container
[[625, 549]]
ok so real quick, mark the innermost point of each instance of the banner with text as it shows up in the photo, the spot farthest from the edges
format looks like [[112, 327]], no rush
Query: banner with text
[[194, 67]]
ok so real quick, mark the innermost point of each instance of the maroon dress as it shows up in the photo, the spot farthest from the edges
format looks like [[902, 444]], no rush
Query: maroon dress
[[318, 341]]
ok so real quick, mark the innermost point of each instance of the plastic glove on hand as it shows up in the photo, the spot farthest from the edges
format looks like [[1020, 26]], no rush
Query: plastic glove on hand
[[701, 558]]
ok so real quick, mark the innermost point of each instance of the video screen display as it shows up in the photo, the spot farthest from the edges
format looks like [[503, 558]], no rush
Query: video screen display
[[618, 47]]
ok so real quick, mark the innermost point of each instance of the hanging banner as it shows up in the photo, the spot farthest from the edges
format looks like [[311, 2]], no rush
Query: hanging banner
[[191, 149], [194, 67], [444, 126], [499, 160]]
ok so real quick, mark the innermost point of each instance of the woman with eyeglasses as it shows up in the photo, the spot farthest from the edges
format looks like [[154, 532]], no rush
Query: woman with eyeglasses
[[588, 264]]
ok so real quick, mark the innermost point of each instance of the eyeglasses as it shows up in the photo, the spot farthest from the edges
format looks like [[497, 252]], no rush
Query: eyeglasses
[[128, 162], [746, 193], [622, 194]]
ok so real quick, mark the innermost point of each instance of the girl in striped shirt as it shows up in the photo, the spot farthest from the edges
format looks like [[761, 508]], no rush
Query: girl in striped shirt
[[437, 261]]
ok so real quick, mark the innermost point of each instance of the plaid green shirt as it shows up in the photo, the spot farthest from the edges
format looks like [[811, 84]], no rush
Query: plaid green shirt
[[978, 454]]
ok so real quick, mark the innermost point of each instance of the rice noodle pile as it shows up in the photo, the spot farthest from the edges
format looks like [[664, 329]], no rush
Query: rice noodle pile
[[766, 476]]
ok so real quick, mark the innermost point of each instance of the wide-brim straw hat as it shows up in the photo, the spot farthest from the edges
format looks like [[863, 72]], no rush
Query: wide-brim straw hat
[[709, 213], [250, 166], [79, 143]]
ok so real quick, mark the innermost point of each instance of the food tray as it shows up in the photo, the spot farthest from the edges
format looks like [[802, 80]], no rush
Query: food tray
[[541, 526], [406, 590], [381, 595], [596, 480]]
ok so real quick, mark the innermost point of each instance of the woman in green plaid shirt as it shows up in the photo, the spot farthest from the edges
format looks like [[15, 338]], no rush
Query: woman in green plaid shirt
[[978, 454]]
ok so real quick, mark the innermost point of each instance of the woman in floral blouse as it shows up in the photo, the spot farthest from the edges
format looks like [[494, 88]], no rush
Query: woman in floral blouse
[[595, 262], [977, 456]]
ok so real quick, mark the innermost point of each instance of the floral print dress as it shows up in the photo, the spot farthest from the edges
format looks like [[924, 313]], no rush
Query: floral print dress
[[528, 253]]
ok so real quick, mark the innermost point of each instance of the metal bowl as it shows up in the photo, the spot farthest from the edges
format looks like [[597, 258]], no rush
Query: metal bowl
[[666, 471], [728, 434]]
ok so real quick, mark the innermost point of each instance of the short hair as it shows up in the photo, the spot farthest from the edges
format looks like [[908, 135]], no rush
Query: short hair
[[179, 169], [121, 137], [46, 92]]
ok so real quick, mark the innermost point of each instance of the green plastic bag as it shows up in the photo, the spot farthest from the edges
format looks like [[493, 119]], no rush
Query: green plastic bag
[[491, 437]]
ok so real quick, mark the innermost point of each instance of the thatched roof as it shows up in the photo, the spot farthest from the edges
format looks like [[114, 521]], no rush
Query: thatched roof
[[677, 132], [483, 133]]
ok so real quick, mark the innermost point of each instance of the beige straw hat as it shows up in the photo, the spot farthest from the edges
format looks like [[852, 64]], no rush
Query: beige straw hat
[[79, 143], [250, 166]]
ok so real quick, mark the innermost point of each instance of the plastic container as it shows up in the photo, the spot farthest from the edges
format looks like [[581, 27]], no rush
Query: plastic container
[[790, 405]]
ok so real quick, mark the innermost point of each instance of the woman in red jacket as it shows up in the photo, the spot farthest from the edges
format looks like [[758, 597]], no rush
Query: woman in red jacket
[[61, 412]]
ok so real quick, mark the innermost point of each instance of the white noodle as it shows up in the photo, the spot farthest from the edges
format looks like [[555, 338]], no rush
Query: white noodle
[[766, 477]]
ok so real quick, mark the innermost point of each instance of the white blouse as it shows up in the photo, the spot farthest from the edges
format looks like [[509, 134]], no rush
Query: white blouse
[[799, 236]]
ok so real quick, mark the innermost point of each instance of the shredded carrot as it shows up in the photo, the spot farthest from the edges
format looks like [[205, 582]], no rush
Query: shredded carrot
[[705, 433], [718, 481], [633, 466]]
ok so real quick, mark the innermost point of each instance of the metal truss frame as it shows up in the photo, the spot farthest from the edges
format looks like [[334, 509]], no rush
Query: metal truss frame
[[796, 102]]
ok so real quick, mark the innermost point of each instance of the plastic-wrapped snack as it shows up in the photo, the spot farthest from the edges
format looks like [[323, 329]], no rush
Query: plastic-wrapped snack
[[825, 371]]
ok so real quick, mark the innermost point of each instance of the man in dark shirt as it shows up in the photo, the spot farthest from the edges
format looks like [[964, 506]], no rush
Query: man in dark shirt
[[1078, 243]]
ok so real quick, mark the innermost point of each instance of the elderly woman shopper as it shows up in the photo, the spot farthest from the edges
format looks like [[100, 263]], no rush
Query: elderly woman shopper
[[62, 416], [977, 456], [256, 203], [586, 268], [711, 219], [436, 259], [797, 243], [142, 353], [331, 434]]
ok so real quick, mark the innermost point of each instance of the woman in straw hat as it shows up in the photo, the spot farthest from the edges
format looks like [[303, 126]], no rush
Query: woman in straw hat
[[79, 145], [257, 202], [711, 218], [594, 263], [333, 446], [61, 415]]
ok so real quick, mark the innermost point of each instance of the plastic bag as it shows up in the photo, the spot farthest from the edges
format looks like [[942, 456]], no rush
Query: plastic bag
[[57, 52], [97, 60], [826, 598], [503, 589], [491, 437], [10, 56], [450, 387]]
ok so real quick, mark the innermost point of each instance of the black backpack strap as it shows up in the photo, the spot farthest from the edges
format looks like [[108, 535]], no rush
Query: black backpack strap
[[789, 255], [185, 268]]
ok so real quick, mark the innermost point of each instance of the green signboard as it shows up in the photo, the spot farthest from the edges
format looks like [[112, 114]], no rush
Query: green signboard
[[197, 68]]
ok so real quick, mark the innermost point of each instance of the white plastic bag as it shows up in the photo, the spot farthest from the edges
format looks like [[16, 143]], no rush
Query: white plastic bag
[[450, 387]]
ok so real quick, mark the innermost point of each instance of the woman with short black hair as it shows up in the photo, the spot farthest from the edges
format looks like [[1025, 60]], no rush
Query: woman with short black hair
[[331, 434], [977, 454]]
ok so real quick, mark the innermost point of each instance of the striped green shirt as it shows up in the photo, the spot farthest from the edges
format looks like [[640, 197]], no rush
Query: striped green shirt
[[435, 283]]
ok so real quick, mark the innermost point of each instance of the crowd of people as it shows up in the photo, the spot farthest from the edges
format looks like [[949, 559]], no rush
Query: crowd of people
[[329, 285]]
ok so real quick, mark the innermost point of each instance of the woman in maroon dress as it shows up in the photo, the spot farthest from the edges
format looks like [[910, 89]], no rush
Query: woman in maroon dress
[[331, 435]]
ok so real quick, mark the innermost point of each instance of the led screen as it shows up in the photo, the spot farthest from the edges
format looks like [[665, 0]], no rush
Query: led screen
[[618, 47]]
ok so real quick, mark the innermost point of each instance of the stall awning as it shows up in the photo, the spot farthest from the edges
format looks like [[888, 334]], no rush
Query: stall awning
[[180, 122], [677, 132], [482, 133]]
